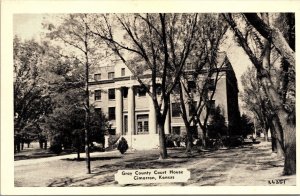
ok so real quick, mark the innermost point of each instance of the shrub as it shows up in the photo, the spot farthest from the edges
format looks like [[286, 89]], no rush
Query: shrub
[[232, 141], [174, 140], [122, 146], [112, 141], [56, 148]]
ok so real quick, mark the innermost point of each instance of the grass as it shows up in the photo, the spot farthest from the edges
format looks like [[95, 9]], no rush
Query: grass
[[28, 153], [248, 165]]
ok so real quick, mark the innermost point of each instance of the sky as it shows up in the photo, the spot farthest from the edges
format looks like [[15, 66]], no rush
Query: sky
[[28, 26]]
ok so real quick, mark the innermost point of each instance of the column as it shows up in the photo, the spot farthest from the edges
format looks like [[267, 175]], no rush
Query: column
[[167, 124], [119, 111], [131, 118], [152, 117]]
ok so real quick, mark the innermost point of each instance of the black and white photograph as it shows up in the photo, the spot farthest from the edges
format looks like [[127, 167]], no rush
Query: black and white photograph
[[178, 99]]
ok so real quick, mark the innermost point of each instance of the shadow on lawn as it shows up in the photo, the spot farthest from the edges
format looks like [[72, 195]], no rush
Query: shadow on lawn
[[103, 175], [92, 158], [108, 170], [36, 154], [33, 156]]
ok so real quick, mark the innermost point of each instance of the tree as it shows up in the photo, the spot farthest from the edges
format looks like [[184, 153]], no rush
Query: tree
[[217, 124], [65, 76], [74, 32], [283, 125], [256, 102], [206, 68], [155, 48], [247, 125], [31, 99]]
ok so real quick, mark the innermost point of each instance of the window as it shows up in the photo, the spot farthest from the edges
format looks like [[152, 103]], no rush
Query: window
[[146, 126], [176, 111], [158, 89], [142, 124], [111, 93], [125, 124], [176, 89], [125, 92], [97, 95], [176, 130], [111, 113], [211, 105], [210, 83], [111, 75], [191, 86], [190, 66], [192, 107], [112, 131], [141, 91], [140, 127], [98, 111], [97, 77], [123, 72]]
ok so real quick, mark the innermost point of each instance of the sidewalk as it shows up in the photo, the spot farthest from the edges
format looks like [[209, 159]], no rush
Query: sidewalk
[[59, 157]]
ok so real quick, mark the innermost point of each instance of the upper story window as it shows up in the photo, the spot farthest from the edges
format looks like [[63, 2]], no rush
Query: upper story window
[[190, 66], [211, 104], [98, 111], [97, 77], [111, 75], [125, 92], [123, 72], [158, 89], [141, 91], [111, 113], [210, 83], [176, 130], [176, 89], [97, 95], [192, 107], [111, 93], [191, 86], [176, 110]]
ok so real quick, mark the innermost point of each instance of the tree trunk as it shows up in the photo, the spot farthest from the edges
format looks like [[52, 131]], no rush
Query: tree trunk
[[290, 151], [273, 137], [46, 144], [28, 144], [162, 140], [87, 102], [87, 148], [274, 144], [78, 153], [189, 140], [266, 135], [276, 141], [18, 146], [204, 136], [41, 144], [22, 145]]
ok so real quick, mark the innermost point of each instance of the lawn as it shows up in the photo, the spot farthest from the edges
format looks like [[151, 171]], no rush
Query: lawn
[[247, 165]]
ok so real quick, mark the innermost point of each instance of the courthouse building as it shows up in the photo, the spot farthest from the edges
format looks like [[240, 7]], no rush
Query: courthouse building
[[131, 112]]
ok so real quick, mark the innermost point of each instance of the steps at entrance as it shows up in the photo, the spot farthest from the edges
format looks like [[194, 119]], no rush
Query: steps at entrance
[[142, 142]]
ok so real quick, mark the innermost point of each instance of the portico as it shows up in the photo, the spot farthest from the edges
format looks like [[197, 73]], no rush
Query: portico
[[136, 116]]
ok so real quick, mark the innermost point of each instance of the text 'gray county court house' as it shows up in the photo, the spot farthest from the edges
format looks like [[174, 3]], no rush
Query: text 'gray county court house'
[[130, 110]]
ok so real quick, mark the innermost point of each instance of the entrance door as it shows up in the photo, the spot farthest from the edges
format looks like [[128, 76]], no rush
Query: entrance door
[[143, 124]]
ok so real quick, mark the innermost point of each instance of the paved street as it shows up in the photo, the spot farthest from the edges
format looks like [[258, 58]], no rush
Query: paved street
[[249, 165]]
